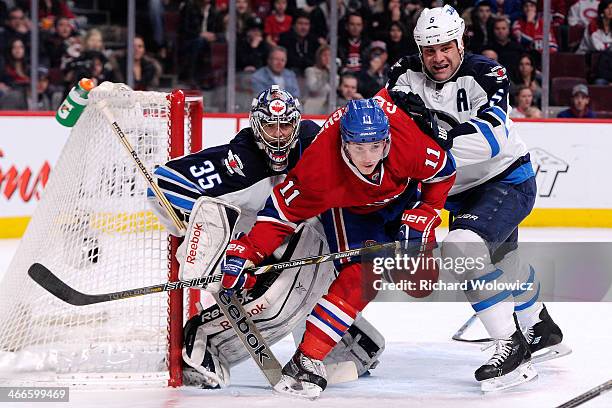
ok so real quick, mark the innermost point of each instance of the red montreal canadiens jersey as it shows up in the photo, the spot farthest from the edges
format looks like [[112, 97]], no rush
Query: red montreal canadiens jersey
[[324, 179], [353, 63]]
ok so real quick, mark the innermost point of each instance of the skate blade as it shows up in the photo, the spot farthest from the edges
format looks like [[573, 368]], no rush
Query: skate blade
[[288, 386], [524, 373], [550, 353]]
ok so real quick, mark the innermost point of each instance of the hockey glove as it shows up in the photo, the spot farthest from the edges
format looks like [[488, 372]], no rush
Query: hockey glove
[[238, 257], [413, 106], [418, 229]]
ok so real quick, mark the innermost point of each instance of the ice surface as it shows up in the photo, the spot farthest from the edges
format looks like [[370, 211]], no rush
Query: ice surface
[[421, 366]]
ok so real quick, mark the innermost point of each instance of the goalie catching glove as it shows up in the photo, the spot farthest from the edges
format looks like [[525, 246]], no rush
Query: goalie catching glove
[[418, 228], [413, 106], [238, 257]]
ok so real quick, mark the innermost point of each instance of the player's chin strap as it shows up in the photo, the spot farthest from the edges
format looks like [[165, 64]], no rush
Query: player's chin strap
[[349, 162]]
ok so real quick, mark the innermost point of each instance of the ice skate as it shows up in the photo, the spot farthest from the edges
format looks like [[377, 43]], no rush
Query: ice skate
[[302, 377], [509, 366], [544, 339]]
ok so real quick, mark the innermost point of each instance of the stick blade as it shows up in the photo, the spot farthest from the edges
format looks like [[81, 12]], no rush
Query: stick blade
[[52, 284]]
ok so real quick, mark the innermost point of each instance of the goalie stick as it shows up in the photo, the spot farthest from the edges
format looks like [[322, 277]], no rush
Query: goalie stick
[[337, 372], [58, 288], [50, 282]]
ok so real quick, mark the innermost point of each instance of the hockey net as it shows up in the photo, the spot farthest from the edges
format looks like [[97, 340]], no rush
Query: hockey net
[[93, 229]]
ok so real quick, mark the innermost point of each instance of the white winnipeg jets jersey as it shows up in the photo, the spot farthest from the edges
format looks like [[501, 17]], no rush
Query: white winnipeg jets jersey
[[473, 106]]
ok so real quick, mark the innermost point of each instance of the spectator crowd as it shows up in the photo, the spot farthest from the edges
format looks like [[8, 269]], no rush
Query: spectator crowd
[[286, 42]]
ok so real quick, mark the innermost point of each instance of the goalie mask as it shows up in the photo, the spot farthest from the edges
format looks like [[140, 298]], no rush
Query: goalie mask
[[275, 120]]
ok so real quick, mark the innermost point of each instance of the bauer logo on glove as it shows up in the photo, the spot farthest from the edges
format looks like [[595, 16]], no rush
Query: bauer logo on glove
[[238, 257], [418, 229], [237, 248]]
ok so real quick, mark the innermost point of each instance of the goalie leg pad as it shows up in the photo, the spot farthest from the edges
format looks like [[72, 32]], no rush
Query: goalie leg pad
[[361, 344], [204, 367], [278, 303]]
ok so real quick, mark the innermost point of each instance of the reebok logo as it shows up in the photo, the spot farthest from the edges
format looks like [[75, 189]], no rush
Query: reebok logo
[[258, 349], [193, 243]]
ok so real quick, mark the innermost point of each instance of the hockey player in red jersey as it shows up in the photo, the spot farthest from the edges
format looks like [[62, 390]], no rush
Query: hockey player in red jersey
[[362, 175]]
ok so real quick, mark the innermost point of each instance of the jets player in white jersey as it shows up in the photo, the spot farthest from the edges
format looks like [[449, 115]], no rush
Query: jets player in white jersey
[[494, 191]]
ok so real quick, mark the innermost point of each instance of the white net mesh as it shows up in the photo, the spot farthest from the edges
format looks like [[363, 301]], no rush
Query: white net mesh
[[93, 229]]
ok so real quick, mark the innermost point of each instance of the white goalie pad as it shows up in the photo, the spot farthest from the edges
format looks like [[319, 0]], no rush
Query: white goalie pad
[[279, 307], [210, 229]]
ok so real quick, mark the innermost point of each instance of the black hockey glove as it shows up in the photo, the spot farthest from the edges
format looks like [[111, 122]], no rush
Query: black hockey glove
[[414, 106]]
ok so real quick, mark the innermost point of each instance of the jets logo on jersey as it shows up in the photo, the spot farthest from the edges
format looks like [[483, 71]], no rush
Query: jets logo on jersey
[[233, 164], [498, 72], [277, 107]]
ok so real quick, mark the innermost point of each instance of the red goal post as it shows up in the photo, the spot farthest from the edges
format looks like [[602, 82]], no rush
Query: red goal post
[[183, 106]]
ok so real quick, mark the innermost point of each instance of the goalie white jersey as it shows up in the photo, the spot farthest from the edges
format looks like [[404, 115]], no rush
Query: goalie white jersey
[[473, 106]]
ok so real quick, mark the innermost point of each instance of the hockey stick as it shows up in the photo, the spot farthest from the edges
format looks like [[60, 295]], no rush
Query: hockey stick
[[589, 395], [458, 336], [54, 285], [49, 281], [312, 260], [228, 303]]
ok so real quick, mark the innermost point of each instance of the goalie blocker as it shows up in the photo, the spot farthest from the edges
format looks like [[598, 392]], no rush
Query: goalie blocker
[[278, 304]]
